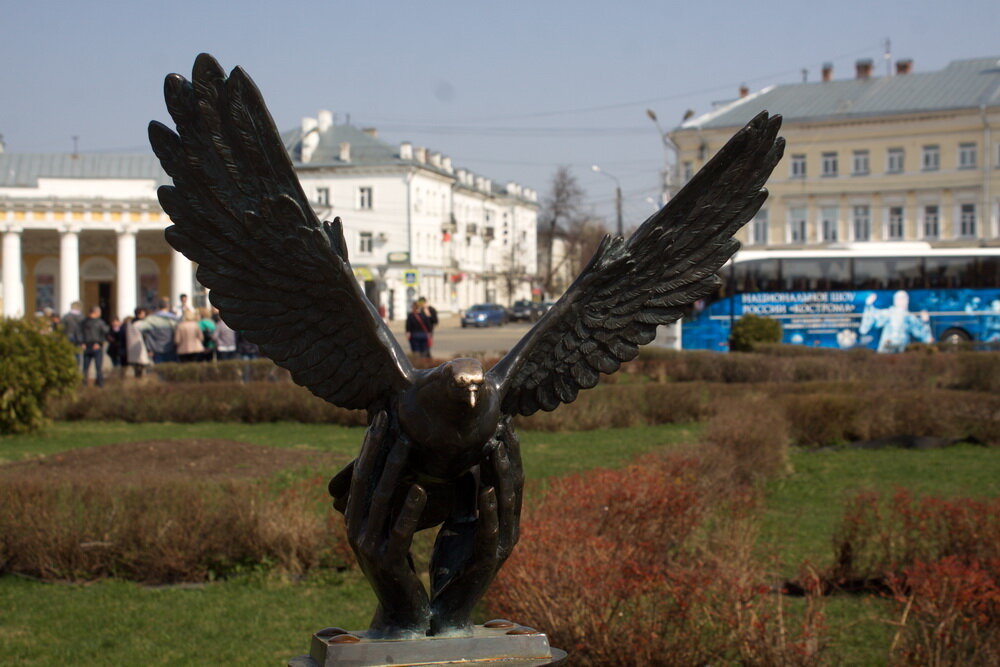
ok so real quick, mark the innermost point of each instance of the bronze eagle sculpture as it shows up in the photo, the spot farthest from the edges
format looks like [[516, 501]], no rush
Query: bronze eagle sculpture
[[440, 448]]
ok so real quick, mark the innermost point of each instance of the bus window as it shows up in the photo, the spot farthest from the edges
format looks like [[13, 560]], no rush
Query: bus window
[[757, 276], [803, 275], [888, 273], [951, 272], [989, 272]]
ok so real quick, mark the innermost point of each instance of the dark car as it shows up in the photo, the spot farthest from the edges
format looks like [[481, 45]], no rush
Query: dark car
[[484, 315], [528, 311]]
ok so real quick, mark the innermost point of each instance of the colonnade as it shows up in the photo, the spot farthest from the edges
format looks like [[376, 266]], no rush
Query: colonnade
[[126, 277]]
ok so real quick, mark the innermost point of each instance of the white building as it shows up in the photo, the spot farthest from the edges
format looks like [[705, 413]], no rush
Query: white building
[[89, 227]]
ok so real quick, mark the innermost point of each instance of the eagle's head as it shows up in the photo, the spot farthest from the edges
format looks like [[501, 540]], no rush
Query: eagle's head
[[463, 379]]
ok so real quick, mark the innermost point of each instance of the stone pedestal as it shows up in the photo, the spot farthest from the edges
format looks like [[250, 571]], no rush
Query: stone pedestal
[[496, 642]]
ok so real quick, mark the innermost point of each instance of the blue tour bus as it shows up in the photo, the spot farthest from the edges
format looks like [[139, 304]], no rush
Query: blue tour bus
[[878, 296]]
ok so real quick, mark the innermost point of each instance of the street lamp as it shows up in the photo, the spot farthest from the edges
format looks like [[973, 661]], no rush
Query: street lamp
[[668, 145], [618, 195]]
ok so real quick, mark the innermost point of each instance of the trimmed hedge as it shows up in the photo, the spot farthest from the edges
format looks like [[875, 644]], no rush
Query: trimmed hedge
[[36, 365]]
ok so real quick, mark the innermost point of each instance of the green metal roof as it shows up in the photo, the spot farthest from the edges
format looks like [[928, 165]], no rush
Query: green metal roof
[[22, 170]]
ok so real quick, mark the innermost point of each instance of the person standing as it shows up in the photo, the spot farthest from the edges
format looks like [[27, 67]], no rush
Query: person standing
[[136, 355], [224, 339], [94, 332], [418, 331], [188, 338], [207, 325], [430, 317], [158, 332], [71, 324]]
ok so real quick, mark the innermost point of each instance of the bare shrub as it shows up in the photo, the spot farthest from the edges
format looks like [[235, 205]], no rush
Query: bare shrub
[[618, 566], [747, 440], [165, 532], [950, 613]]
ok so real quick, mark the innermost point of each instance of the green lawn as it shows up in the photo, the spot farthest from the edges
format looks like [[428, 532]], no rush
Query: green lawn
[[264, 620]]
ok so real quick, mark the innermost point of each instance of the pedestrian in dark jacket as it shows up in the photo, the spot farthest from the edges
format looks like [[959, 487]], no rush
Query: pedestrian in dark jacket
[[94, 331], [70, 324]]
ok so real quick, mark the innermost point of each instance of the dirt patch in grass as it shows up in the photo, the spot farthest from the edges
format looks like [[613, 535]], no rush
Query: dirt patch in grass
[[168, 460]]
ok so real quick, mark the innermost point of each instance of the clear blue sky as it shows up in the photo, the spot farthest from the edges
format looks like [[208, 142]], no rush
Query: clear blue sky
[[508, 89]]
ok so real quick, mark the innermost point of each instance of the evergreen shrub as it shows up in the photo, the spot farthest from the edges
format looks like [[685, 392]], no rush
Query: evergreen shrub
[[751, 330], [35, 365]]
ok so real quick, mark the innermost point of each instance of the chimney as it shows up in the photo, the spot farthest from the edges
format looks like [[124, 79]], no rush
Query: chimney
[[446, 165], [371, 132], [436, 160], [310, 138], [406, 151], [904, 66], [744, 91], [325, 119], [345, 151], [421, 154], [863, 68], [827, 71]]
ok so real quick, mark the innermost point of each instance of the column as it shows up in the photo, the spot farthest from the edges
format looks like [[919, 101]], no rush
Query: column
[[69, 267], [180, 278], [13, 286], [126, 296]]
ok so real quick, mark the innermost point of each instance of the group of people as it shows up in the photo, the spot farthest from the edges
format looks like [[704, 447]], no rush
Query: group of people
[[166, 334]]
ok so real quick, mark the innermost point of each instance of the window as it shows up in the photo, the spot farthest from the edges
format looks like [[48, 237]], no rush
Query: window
[[815, 274], [894, 161], [888, 273], [365, 198], [932, 158], [797, 222], [966, 156], [894, 226], [860, 163], [932, 221], [759, 231], [365, 243], [967, 220], [828, 217], [829, 164], [798, 166], [862, 223], [323, 196], [688, 171]]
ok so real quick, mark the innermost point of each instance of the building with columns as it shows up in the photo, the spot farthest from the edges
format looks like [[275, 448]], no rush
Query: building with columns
[[914, 156], [88, 227]]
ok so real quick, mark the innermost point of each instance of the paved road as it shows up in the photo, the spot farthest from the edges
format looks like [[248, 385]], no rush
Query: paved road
[[451, 340]]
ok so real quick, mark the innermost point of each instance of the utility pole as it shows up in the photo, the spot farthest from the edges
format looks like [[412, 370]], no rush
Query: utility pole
[[618, 195], [668, 169]]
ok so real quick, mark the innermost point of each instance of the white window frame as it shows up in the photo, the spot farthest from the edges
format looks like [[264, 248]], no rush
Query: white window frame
[[366, 198], [366, 243], [962, 221], [797, 166], [830, 165], [931, 157], [891, 221], [861, 163], [759, 228], [795, 222], [861, 213], [967, 155], [323, 196], [829, 218], [924, 221], [895, 161]]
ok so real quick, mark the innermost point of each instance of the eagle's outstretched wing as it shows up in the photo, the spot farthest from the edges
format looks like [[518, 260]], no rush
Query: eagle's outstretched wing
[[630, 287], [276, 274]]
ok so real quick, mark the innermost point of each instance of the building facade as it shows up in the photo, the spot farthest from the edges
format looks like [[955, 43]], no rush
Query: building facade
[[89, 228], [909, 157]]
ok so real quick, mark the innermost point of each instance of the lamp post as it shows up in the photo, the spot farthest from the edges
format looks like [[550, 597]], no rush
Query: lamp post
[[618, 196], [668, 145]]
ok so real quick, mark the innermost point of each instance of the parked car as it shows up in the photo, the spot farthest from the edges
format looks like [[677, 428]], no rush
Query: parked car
[[527, 311], [484, 315]]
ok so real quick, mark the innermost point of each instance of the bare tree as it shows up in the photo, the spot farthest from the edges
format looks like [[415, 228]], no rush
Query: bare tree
[[561, 208]]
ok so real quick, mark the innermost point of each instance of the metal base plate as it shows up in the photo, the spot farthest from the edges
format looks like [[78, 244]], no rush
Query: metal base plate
[[504, 643]]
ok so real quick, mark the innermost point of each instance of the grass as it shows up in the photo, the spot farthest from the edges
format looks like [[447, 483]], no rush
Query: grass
[[804, 508], [251, 621], [264, 620]]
